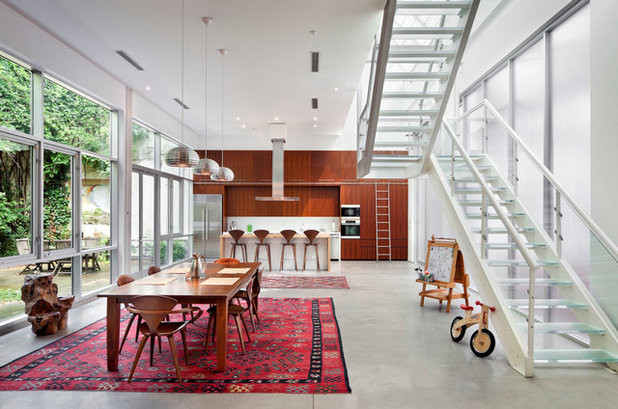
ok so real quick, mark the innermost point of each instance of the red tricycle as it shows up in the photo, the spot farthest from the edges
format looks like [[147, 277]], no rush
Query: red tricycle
[[482, 342]]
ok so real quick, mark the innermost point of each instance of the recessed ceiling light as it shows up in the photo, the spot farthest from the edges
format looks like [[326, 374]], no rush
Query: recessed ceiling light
[[276, 118], [147, 87], [336, 89], [238, 118], [315, 118], [315, 125], [313, 32], [243, 126]]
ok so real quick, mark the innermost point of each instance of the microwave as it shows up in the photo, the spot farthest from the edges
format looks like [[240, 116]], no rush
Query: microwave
[[350, 228], [348, 211]]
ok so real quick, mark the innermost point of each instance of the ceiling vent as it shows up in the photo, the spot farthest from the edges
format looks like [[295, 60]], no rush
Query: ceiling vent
[[314, 103], [130, 60], [182, 104], [315, 61]]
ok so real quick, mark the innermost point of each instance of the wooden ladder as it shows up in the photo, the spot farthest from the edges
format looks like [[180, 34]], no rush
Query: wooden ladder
[[383, 222]]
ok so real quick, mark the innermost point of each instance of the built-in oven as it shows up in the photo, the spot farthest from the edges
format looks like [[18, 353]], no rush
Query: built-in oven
[[350, 228], [350, 211]]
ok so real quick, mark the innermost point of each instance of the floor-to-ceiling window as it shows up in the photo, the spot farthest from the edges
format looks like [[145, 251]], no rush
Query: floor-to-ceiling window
[[161, 203], [57, 173]]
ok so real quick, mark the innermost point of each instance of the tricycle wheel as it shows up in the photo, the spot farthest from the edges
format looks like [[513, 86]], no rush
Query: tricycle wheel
[[457, 334], [482, 343]]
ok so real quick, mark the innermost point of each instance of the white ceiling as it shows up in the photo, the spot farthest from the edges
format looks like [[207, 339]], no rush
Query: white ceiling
[[267, 69]]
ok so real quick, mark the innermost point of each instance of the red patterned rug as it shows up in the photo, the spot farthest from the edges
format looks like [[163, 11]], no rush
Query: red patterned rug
[[296, 349], [304, 282]]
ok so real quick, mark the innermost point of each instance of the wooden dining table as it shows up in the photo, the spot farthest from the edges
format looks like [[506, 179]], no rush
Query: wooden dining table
[[185, 291]]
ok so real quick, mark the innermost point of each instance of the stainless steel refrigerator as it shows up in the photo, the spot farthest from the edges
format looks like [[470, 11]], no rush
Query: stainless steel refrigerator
[[207, 223]]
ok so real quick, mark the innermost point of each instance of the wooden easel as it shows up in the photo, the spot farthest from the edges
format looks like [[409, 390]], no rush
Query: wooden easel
[[444, 279]]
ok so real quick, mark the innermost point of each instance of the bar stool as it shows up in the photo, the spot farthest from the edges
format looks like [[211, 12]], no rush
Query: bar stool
[[237, 235], [288, 235], [311, 235], [261, 236]]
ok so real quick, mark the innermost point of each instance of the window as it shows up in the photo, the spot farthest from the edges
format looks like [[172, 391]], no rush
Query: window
[[96, 202], [15, 198], [74, 120], [15, 91], [166, 146], [143, 146], [57, 208]]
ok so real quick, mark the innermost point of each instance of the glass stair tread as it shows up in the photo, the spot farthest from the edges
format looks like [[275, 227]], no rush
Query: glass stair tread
[[477, 190], [546, 304], [492, 216], [574, 355], [470, 179], [412, 95], [416, 75], [520, 263], [458, 158], [498, 230], [427, 31], [397, 158], [403, 129], [487, 202], [433, 4], [420, 53], [400, 145], [408, 112], [563, 328], [513, 246], [538, 281]]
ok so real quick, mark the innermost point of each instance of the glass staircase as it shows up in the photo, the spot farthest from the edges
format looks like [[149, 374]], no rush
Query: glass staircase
[[414, 64]]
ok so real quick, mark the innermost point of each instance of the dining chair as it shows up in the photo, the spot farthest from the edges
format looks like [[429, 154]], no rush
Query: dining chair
[[153, 309], [288, 235], [261, 236], [251, 295], [125, 279], [227, 261], [237, 235], [311, 235], [153, 270], [236, 311]]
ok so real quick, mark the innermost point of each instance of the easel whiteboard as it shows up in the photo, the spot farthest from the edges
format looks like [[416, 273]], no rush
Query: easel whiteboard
[[440, 262]]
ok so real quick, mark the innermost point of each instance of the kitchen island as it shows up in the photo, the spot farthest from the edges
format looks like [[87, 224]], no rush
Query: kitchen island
[[276, 240]]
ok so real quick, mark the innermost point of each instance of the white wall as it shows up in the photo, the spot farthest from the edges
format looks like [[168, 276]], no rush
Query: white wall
[[33, 45], [511, 24]]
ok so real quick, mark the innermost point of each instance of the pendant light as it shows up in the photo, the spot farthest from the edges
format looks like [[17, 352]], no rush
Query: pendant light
[[224, 174], [206, 167], [182, 156]]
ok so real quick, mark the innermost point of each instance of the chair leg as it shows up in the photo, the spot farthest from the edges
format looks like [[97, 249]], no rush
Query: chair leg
[[282, 254], [255, 309], [152, 347], [139, 323], [305, 258], [208, 329], [139, 353], [170, 338], [295, 264], [257, 253], [126, 332], [183, 334], [270, 266], [250, 308], [159, 339], [245, 255], [244, 324], [317, 257], [233, 251], [238, 327]]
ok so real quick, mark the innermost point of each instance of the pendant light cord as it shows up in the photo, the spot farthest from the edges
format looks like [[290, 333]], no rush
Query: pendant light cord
[[206, 90], [182, 75], [222, 56]]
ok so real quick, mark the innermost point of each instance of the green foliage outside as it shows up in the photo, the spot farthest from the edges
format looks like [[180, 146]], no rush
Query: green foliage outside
[[179, 251], [70, 119], [9, 294]]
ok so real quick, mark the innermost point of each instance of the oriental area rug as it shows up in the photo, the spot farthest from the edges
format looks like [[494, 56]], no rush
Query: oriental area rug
[[328, 282], [296, 348]]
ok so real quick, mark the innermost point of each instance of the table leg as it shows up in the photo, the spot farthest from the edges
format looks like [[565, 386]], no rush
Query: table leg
[[113, 333], [221, 334]]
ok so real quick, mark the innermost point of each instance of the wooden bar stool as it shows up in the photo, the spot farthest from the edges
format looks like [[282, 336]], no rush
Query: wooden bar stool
[[311, 235], [261, 236], [288, 235], [237, 235]]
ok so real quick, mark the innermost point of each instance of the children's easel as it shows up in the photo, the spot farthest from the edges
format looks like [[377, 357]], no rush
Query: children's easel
[[445, 261]]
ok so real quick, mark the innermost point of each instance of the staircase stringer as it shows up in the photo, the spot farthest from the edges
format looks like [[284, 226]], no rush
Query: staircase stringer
[[504, 322]]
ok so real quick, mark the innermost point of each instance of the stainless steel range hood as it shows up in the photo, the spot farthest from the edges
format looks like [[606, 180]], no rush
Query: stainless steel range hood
[[278, 135]]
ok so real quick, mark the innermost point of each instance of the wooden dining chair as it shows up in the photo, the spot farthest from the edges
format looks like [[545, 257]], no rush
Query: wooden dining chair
[[125, 279], [250, 296], [227, 261], [311, 235], [153, 309], [288, 235], [261, 236], [237, 235], [236, 311], [153, 270]]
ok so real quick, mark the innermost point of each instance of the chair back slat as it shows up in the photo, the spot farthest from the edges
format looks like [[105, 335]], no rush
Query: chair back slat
[[152, 309], [236, 234], [261, 235], [153, 270], [124, 279], [227, 261], [288, 234], [311, 235]]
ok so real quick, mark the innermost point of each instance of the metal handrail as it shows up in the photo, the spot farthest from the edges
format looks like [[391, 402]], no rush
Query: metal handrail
[[606, 242], [512, 231]]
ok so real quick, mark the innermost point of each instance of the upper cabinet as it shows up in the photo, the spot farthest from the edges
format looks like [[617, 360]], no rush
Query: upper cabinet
[[262, 166], [325, 166], [348, 166], [297, 166], [241, 163]]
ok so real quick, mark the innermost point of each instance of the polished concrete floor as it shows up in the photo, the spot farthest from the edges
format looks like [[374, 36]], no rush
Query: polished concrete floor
[[398, 356]]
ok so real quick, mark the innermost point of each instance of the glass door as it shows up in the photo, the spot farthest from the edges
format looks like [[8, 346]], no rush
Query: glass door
[[142, 221]]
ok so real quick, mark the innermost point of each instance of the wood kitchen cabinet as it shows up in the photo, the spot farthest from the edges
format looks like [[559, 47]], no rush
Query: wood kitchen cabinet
[[350, 194], [262, 166], [325, 166], [297, 166], [348, 166], [241, 163], [350, 249]]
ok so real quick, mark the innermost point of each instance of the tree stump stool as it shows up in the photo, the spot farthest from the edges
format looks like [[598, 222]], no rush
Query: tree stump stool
[[46, 311]]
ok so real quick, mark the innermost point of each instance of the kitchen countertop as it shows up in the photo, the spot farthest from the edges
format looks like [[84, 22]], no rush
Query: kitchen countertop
[[322, 235]]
